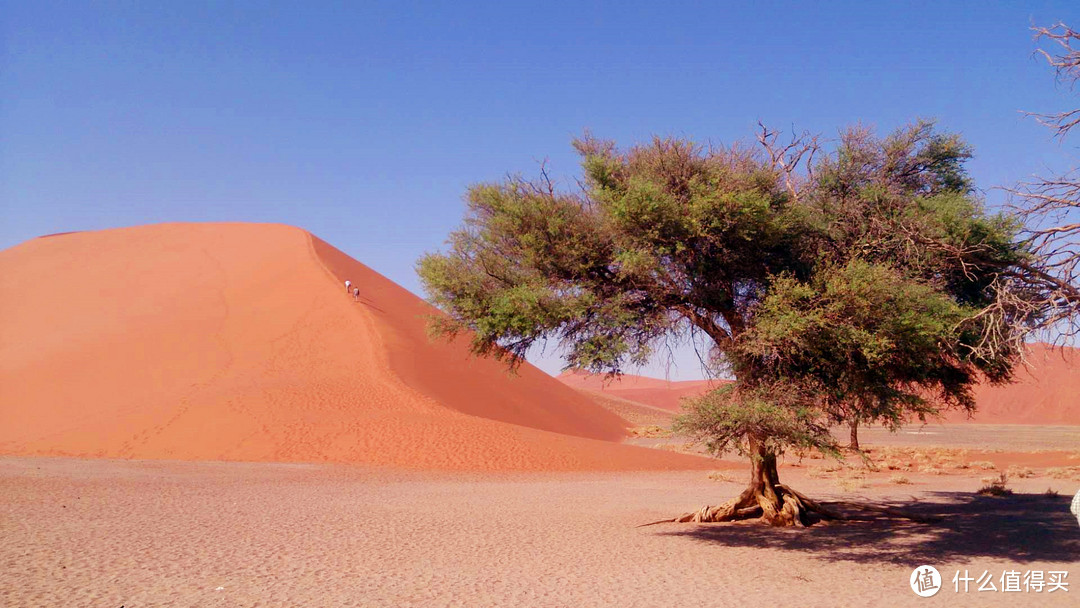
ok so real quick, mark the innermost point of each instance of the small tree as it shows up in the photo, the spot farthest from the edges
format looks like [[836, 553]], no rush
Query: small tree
[[849, 288]]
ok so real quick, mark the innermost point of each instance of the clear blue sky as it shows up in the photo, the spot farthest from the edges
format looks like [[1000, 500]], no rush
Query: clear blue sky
[[364, 122]]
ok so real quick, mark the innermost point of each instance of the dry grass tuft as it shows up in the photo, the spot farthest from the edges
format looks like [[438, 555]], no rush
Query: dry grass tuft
[[933, 460], [650, 432], [851, 483], [1071, 473], [895, 465], [720, 476], [852, 478], [996, 487], [899, 480], [1019, 471]]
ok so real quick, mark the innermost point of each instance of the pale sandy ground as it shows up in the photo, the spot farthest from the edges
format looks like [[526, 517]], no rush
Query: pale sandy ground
[[1011, 437], [1003, 444], [138, 533]]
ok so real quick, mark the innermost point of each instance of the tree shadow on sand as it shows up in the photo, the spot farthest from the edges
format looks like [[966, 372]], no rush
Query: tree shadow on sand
[[1020, 528]]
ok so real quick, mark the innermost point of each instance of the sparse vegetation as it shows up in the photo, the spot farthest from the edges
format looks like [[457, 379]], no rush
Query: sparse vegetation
[[1070, 472], [1020, 472], [650, 432], [996, 486], [850, 483], [932, 460], [899, 480]]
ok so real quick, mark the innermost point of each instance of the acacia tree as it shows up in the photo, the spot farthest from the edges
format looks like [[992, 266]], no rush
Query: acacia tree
[[859, 277], [887, 323]]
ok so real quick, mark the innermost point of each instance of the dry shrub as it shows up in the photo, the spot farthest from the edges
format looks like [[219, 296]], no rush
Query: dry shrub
[[985, 465], [1021, 472], [996, 487], [899, 480]]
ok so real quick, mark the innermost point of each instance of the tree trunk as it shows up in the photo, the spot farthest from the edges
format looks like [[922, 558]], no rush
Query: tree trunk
[[854, 445], [764, 497], [776, 504]]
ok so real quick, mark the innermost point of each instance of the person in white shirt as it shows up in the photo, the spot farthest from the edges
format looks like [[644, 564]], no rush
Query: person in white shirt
[[1075, 508], [347, 284]]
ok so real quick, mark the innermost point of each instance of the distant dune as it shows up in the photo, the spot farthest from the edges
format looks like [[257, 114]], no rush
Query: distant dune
[[1046, 391], [238, 342], [650, 391]]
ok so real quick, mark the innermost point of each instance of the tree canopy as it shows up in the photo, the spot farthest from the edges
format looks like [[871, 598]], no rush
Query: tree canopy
[[845, 285]]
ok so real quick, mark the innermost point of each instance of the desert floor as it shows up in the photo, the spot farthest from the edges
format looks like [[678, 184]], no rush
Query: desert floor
[[161, 533]]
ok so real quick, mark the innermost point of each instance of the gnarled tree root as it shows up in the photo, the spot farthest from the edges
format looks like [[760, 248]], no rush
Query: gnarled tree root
[[780, 505]]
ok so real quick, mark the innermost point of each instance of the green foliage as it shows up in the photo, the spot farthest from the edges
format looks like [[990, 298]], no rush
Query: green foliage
[[777, 415], [873, 341], [852, 291]]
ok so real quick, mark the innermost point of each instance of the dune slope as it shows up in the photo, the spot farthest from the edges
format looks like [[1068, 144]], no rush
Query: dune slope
[[1045, 391], [238, 342], [656, 392]]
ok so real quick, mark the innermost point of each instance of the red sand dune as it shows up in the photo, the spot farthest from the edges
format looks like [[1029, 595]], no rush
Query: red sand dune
[[650, 391], [238, 342], [1046, 391]]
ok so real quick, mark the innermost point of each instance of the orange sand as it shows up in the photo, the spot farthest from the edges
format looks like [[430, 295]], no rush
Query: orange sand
[[238, 342], [1046, 391]]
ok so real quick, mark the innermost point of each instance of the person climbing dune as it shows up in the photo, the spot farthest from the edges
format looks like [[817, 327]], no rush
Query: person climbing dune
[[347, 285], [356, 294]]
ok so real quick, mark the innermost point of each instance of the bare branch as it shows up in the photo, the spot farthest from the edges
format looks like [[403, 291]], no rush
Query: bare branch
[[1066, 61], [1049, 207], [786, 158]]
